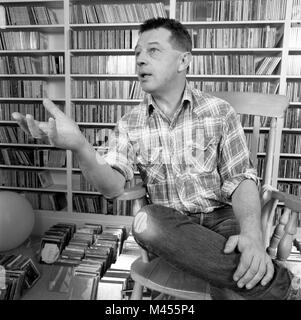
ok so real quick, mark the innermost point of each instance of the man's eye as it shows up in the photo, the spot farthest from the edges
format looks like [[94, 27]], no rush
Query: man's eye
[[137, 53], [153, 50]]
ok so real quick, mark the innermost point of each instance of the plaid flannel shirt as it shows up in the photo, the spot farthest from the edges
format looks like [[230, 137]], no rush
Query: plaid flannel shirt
[[192, 163]]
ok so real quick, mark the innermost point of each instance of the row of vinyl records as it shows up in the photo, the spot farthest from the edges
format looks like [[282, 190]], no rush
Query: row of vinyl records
[[111, 113], [240, 86], [97, 204], [209, 10], [230, 64], [47, 201], [290, 187], [290, 142], [206, 64], [115, 13], [23, 88], [292, 118], [295, 36], [126, 89], [30, 15], [296, 10], [235, 37], [294, 65], [226, 37], [33, 157], [115, 89], [205, 37], [290, 168], [9, 134], [23, 40], [233, 65], [218, 10], [103, 39], [230, 10], [293, 91], [96, 64], [50, 64], [25, 178]]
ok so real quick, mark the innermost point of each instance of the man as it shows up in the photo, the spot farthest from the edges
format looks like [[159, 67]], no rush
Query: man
[[193, 158]]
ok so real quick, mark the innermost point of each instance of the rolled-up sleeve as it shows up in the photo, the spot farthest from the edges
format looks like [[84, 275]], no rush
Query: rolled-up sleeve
[[234, 159], [120, 154]]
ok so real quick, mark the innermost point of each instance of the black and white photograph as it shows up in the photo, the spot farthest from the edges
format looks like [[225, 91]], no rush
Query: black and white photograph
[[150, 153]]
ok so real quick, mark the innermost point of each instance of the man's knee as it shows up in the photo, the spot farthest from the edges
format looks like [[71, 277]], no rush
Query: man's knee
[[141, 219]]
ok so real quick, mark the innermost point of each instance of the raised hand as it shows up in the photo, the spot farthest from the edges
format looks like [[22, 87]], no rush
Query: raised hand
[[61, 131]]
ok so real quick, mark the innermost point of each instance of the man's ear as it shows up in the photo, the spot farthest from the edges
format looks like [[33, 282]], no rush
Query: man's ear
[[184, 61]]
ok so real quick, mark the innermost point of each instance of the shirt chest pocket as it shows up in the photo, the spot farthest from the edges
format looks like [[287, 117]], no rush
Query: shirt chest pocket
[[150, 164], [202, 151], [203, 157]]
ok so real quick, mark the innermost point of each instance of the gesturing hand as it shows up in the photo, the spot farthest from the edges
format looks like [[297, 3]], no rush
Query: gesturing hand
[[61, 131], [255, 264]]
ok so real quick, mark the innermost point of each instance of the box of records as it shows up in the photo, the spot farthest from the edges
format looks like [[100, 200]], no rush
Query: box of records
[[17, 274]]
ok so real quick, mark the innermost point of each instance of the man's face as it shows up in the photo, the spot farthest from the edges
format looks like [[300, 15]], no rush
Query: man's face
[[156, 61]]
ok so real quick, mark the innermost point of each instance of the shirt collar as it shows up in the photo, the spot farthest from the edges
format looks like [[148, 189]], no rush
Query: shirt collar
[[151, 104]]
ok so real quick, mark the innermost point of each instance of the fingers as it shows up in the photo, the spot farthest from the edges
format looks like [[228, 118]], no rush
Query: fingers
[[52, 108], [269, 272], [253, 275], [260, 270], [33, 127], [52, 133], [244, 265], [231, 244], [21, 120]]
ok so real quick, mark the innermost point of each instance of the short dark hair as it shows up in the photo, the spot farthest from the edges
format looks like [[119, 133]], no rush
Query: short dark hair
[[180, 38]]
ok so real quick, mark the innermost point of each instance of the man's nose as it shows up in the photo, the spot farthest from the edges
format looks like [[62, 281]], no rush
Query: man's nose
[[141, 59]]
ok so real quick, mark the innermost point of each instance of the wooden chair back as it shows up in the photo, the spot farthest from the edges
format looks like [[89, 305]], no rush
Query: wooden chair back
[[261, 105]]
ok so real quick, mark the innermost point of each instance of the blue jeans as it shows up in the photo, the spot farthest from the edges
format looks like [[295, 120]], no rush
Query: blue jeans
[[195, 244]]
